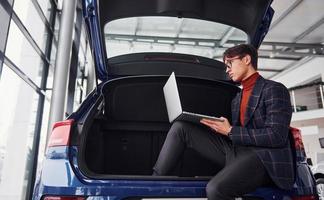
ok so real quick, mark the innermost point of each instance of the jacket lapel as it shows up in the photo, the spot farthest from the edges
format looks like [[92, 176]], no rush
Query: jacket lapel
[[254, 99], [236, 109]]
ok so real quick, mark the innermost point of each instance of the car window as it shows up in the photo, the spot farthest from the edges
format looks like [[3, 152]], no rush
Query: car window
[[169, 34]]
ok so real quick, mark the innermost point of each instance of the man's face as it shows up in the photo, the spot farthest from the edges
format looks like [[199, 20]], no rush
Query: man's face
[[236, 68]]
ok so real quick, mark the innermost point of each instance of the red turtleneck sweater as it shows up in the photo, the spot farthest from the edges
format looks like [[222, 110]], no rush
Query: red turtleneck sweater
[[248, 85]]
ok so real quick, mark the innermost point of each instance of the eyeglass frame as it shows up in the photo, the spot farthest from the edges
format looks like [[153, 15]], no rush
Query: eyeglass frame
[[228, 62]]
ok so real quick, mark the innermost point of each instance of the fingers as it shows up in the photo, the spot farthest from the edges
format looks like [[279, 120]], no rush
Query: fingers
[[221, 127], [207, 123], [210, 123]]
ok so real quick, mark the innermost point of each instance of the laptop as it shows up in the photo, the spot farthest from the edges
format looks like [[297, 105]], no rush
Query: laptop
[[173, 104]]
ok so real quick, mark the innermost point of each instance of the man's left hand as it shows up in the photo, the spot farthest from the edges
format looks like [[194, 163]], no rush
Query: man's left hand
[[222, 127]]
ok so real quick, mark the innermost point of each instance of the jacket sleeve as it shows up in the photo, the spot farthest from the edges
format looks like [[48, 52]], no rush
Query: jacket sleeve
[[276, 121]]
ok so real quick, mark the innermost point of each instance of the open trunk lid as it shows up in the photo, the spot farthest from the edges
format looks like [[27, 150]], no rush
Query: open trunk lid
[[251, 16]]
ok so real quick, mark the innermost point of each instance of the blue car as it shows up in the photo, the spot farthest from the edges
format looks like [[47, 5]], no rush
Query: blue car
[[107, 148]]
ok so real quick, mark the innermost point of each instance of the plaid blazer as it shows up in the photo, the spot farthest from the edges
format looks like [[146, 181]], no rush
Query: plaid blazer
[[266, 129]]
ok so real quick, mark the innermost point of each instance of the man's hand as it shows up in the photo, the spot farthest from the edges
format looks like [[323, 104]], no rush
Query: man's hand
[[222, 127]]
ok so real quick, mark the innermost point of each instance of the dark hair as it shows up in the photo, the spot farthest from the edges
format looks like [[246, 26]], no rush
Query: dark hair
[[241, 51]]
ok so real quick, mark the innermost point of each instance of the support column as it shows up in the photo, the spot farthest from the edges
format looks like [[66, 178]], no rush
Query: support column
[[63, 59]]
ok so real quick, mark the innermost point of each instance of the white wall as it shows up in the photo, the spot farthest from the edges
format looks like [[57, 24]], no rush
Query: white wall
[[300, 75]]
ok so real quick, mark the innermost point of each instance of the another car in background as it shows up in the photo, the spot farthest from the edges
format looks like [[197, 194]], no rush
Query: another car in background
[[318, 171]]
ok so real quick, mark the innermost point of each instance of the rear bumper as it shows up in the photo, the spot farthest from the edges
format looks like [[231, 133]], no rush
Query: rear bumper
[[60, 176]]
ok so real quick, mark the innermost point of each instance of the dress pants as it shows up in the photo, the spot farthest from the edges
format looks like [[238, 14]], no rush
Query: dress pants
[[242, 171]]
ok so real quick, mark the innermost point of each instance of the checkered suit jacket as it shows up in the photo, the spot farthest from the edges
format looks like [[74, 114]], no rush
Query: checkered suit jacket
[[266, 129]]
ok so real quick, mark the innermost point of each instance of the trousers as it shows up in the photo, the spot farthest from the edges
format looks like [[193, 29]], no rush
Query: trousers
[[242, 171]]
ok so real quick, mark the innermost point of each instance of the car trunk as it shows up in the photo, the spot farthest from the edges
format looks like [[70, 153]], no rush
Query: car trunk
[[126, 138]]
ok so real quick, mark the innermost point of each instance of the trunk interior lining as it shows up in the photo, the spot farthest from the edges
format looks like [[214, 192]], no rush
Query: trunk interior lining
[[128, 139]]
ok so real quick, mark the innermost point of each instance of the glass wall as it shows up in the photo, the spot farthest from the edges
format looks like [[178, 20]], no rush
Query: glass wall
[[4, 24], [25, 51], [28, 46], [18, 117]]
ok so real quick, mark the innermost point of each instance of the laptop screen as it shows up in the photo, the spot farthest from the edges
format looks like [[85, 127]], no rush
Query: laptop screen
[[172, 98]]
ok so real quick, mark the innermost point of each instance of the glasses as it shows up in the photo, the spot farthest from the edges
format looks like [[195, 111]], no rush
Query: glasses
[[229, 62]]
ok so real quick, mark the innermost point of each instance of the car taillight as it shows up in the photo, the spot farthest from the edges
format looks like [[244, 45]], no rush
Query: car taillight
[[297, 135], [63, 198], [310, 197], [61, 133]]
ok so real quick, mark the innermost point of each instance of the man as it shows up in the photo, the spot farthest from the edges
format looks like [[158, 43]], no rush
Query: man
[[254, 150]]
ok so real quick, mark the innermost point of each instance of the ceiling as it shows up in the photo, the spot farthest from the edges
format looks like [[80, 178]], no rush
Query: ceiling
[[296, 36], [300, 23]]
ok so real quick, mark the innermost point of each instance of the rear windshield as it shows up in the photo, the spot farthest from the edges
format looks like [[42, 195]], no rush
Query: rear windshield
[[170, 34]]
